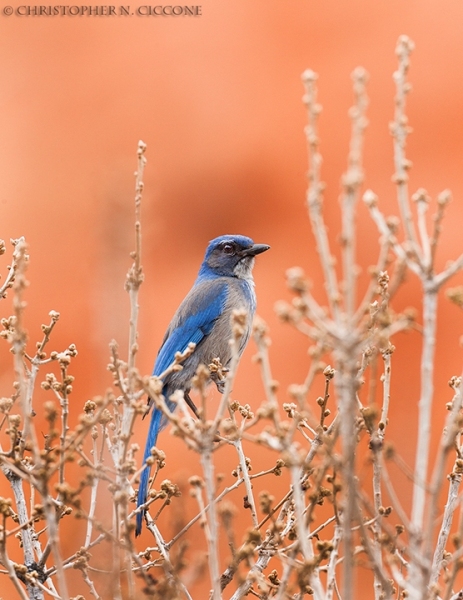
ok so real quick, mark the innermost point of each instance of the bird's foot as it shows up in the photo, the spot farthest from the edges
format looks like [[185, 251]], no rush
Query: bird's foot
[[218, 374]]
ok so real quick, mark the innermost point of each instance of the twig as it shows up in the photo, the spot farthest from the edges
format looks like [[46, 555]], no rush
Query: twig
[[352, 180], [450, 432], [212, 526], [400, 131], [315, 193], [6, 562], [135, 275]]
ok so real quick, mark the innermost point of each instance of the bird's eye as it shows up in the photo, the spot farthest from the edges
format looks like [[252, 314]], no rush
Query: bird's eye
[[229, 249]]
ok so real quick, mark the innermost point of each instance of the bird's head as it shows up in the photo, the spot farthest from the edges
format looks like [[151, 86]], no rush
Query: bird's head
[[231, 256]]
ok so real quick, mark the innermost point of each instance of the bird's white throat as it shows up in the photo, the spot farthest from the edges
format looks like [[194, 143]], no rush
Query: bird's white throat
[[243, 269]]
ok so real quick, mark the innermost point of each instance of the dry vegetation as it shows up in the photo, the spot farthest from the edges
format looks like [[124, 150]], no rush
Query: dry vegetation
[[307, 538]]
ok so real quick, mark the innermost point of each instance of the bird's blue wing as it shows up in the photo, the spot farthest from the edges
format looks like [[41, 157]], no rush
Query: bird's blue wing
[[193, 321]]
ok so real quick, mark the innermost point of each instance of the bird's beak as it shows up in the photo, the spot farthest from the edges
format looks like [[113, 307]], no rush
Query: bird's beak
[[254, 250]]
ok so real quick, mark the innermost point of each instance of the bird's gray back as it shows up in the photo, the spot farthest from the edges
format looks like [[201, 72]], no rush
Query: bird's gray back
[[239, 295]]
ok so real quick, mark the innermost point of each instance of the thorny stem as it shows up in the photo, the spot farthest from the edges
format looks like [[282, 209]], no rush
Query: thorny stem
[[447, 443], [424, 267], [135, 275], [53, 537], [386, 378], [257, 567], [19, 344], [371, 200], [393, 496], [6, 562], [90, 584], [26, 533], [449, 272], [18, 491], [442, 200], [326, 396], [421, 261], [287, 570], [383, 580], [18, 348], [400, 131], [163, 549], [247, 482], [116, 555], [228, 387], [380, 266], [134, 280], [352, 180], [64, 424], [315, 193], [453, 500], [377, 445], [93, 493], [18, 244], [299, 509], [347, 410], [212, 531], [455, 566], [421, 200], [36, 361], [425, 404], [305, 545], [331, 572]]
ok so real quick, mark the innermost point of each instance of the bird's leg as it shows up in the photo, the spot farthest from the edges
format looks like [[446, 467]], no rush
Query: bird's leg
[[191, 404], [149, 402]]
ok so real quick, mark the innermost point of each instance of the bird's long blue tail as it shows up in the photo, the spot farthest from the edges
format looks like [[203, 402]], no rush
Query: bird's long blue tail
[[154, 428]]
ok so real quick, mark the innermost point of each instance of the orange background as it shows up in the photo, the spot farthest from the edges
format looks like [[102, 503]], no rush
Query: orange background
[[217, 99]]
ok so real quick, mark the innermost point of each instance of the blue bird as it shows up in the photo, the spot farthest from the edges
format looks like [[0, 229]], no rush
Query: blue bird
[[224, 283]]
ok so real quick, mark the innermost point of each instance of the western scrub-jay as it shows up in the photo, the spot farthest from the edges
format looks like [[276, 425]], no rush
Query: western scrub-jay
[[224, 283]]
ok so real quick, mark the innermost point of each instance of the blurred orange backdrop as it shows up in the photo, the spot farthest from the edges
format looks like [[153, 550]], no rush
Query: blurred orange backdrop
[[217, 99]]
